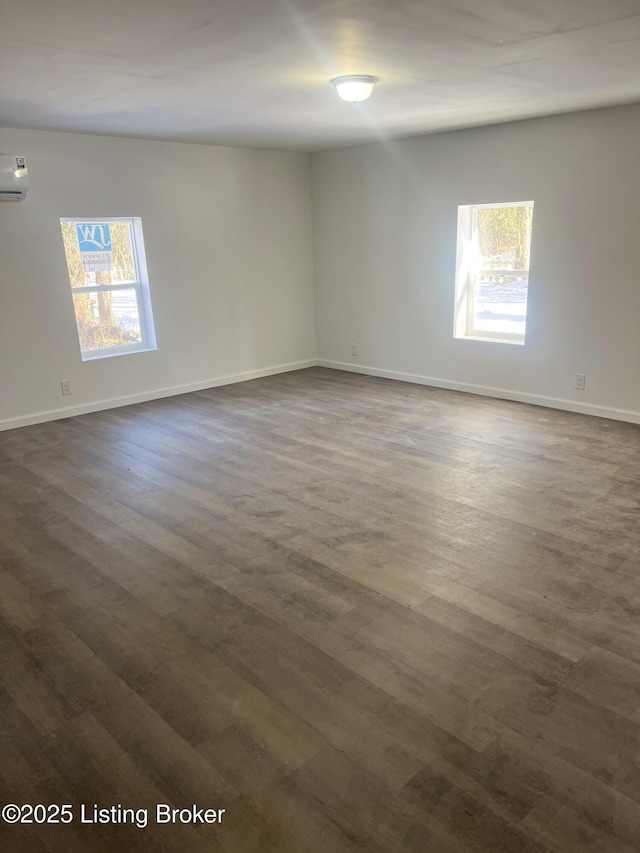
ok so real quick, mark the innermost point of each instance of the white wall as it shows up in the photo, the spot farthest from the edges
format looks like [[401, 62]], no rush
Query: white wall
[[229, 249], [385, 242]]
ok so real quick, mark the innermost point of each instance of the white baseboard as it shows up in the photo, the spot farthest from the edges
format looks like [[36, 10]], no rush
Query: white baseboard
[[483, 390], [486, 391], [100, 405]]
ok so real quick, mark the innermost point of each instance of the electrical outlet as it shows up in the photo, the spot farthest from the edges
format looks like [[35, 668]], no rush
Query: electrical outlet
[[354, 349], [580, 381], [65, 387]]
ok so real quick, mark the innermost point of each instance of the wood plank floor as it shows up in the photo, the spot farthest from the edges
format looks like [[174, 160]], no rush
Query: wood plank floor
[[358, 615]]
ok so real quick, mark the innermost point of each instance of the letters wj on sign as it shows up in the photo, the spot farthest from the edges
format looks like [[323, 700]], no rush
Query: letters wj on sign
[[94, 243]]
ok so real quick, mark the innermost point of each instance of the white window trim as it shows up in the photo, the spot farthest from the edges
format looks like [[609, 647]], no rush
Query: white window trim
[[464, 310], [140, 286]]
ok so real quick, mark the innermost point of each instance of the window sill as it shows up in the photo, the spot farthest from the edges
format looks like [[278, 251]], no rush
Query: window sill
[[486, 339], [100, 354]]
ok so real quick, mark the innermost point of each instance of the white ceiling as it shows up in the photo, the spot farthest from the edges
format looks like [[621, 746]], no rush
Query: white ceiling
[[256, 72]]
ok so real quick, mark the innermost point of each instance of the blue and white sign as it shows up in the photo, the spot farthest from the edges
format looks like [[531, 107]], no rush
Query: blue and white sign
[[94, 243]]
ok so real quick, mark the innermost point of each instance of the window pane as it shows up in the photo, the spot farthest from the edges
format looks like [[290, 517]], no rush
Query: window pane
[[492, 271], [500, 303], [109, 253], [107, 318], [105, 255], [504, 236]]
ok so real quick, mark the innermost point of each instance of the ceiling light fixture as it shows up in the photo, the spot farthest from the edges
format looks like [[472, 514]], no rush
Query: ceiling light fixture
[[354, 87]]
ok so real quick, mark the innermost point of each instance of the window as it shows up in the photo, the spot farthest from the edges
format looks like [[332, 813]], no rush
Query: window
[[109, 284], [492, 278]]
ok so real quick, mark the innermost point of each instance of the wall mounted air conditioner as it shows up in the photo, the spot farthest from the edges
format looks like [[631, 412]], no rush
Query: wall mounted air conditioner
[[14, 179]]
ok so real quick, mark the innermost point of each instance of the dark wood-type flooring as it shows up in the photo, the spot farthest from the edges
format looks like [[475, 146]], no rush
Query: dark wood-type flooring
[[358, 615]]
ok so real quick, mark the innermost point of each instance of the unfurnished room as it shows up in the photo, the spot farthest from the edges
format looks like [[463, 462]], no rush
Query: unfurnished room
[[320, 426]]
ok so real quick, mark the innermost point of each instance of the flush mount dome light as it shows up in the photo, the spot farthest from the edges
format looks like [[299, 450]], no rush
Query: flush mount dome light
[[354, 87]]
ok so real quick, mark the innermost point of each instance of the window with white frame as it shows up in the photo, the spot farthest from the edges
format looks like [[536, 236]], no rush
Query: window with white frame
[[492, 271], [109, 285]]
